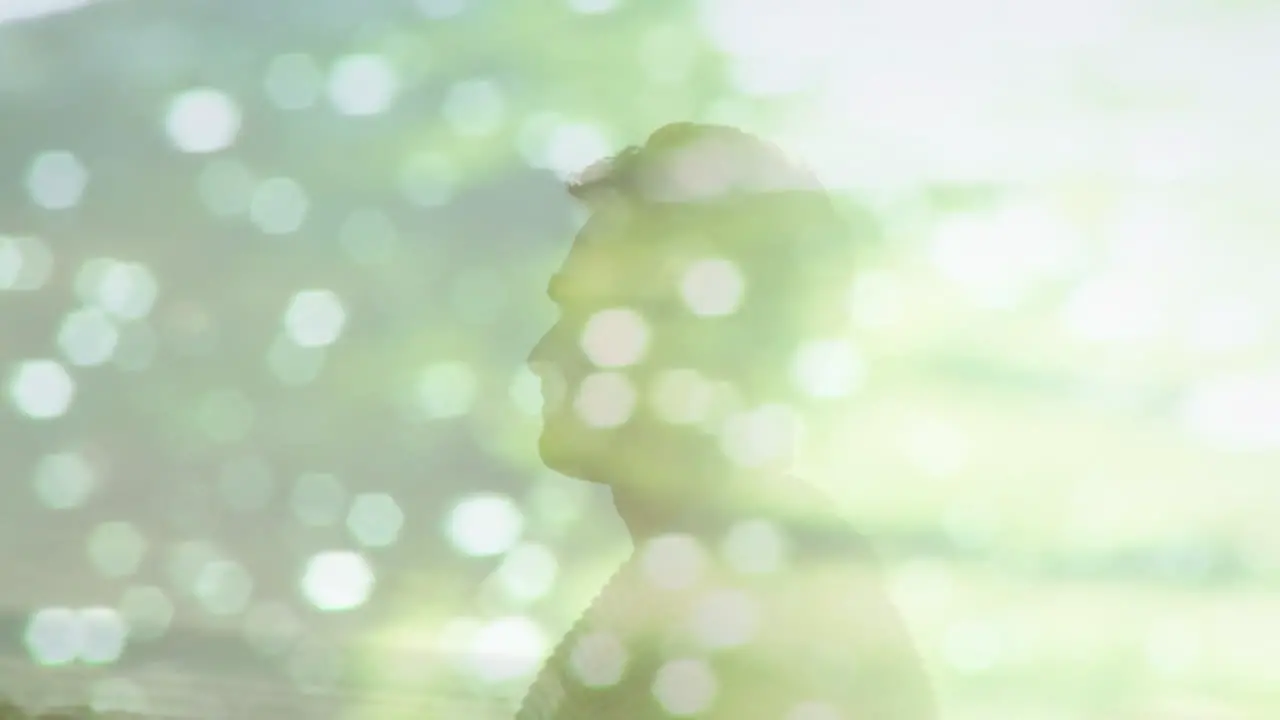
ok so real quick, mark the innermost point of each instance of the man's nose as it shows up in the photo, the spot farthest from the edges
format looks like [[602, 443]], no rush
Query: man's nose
[[539, 353]]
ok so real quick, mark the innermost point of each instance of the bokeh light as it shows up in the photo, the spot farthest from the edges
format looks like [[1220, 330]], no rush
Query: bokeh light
[[685, 687], [202, 120], [56, 180], [713, 287], [362, 85], [375, 519], [42, 389], [485, 524], [615, 338], [605, 399], [64, 480], [599, 660], [337, 581], [117, 548]]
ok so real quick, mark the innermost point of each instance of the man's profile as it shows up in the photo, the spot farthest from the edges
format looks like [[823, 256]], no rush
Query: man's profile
[[708, 261]]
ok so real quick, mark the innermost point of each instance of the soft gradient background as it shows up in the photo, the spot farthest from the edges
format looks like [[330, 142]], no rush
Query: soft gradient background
[[269, 270]]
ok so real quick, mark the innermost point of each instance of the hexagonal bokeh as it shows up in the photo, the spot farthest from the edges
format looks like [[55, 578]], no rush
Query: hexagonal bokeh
[[315, 318], [41, 389], [337, 580], [484, 524], [64, 480], [59, 635], [117, 548], [56, 180], [375, 519]]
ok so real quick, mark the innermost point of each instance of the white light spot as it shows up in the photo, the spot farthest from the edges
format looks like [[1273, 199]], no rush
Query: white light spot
[[25, 263], [314, 318], [754, 547], [64, 480], [569, 148], [525, 392], [103, 635], [337, 580], [375, 519], [1226, 324], [713, 288], [42, 389], [725, 618], [363, 85], [53, 636], [1115, 310], [56, 180], [1237, 413], [474, 107], [598, 660], [685, 687], [279, 206], [605, 400], [447, 390], [528, 572], [674, 561], [615, 338], [682, 396], [224, 587], [202, 120], [760, 436], [484, 525], [87, 337], [125, 290], [507, 649], [57, 636], [827, 368], [116, 549], [998, 257]]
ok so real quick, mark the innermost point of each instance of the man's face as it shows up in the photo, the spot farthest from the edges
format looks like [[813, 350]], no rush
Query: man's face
[[621, 322]]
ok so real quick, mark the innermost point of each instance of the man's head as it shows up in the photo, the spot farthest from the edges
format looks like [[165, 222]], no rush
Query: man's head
[[707, 262]]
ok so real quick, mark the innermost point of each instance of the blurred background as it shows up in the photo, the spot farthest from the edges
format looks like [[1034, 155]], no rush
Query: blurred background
[[269, 270]]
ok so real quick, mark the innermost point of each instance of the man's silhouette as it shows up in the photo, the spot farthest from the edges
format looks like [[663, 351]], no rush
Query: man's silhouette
[[708, 261]]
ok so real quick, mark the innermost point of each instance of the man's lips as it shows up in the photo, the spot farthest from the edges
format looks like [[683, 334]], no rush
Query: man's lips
[[554, 387]]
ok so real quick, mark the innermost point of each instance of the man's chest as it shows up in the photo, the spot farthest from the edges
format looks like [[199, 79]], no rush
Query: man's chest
[[722, 647]]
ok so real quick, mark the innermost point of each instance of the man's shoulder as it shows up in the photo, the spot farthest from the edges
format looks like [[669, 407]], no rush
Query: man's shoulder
[[819, 527]]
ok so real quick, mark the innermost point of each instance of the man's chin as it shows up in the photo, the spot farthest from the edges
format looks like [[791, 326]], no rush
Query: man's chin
[[560, 453]]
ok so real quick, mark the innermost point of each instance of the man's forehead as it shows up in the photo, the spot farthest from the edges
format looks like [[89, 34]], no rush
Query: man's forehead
[[597, 267]]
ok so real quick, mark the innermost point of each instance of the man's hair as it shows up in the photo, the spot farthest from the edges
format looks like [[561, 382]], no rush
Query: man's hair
[[726, 192], [695, 163]]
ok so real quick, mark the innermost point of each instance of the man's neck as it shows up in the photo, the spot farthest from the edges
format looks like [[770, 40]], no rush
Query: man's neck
[[705, 506]]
